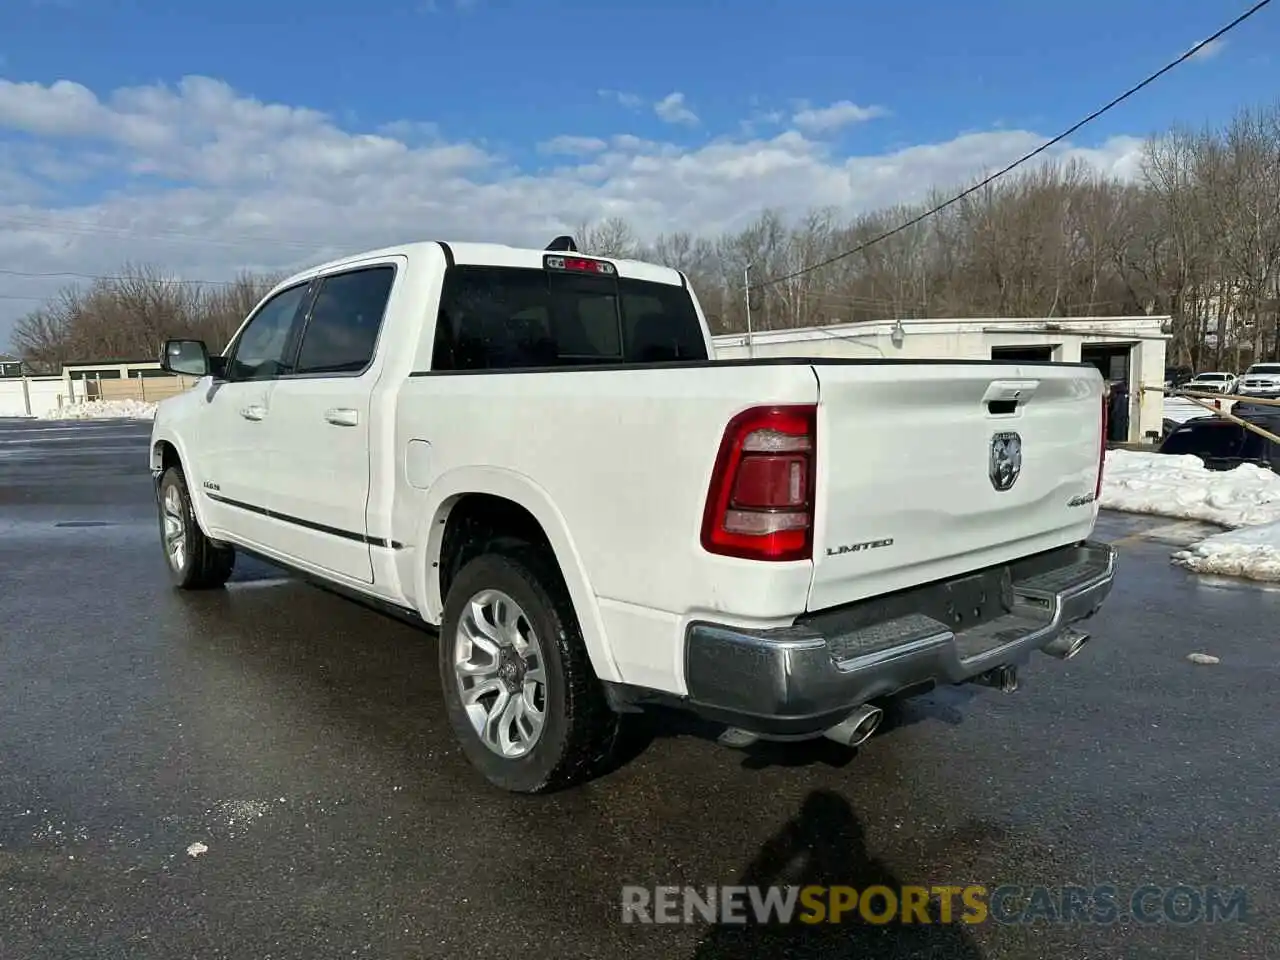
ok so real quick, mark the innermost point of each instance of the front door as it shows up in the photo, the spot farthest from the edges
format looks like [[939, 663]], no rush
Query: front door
[[319, 426], [236, 451]]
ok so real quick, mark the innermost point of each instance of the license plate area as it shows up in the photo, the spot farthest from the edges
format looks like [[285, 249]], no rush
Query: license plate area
[[976, 599]]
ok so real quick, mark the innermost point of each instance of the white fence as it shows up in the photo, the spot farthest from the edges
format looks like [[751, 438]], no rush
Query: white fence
[[32, 396]]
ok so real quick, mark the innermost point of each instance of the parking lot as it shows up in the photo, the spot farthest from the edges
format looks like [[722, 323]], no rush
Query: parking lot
[[300, 738]]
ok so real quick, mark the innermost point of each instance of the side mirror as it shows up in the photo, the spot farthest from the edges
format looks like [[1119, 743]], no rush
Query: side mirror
[[188, 358]]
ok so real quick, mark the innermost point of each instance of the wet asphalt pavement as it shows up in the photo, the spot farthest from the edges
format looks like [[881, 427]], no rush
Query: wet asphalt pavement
[[301, 739]]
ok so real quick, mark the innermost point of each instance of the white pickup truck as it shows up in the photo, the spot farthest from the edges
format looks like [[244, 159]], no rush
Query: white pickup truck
[[536, 452], [1260, 380]]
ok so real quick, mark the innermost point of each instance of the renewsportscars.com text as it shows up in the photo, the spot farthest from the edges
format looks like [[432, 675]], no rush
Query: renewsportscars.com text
[[968, 904]]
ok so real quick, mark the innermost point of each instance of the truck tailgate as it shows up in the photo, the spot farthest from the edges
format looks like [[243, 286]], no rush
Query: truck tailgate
[[914, 464]]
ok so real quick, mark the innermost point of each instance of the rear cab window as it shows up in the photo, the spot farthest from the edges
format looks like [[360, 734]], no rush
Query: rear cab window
[[344, 321], [504, 318]]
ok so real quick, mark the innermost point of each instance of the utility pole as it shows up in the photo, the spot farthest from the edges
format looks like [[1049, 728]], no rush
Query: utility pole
[[746, 293]]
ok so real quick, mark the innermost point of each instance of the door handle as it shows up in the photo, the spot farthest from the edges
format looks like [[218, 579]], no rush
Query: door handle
[[253, 412], [342, 416]]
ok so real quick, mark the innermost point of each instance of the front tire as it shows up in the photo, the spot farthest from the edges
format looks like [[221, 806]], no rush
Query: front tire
[[193, 560], [519, 689]]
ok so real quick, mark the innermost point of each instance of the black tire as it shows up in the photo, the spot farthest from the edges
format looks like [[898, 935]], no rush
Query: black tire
[[203, 564], [580, 731]]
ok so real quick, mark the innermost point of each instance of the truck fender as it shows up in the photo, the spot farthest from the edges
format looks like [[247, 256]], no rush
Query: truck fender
[[193, 482], [521, 490]]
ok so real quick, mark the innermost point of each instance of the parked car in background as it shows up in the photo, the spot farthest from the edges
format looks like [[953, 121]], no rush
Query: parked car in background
[[1260, 380], [1212, 383], [1224, 444]]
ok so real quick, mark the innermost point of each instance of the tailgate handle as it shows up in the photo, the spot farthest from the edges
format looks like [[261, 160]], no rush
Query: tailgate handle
[[1003, 397]]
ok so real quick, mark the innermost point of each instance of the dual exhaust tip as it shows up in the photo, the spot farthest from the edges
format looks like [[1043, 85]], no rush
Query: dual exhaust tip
[[856, 728], [1067, 644]]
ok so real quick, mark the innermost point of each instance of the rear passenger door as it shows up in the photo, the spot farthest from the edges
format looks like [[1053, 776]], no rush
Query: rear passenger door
[[320, 424]]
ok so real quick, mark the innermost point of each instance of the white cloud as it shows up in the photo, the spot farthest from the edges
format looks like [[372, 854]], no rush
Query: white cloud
[[203, 181], [573, 146], [1210, 50], [631, 101], [673, 109], [834, 117]]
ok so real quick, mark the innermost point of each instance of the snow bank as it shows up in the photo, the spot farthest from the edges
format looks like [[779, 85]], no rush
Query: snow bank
[[1252, 553], [103, 410], [1181, 487]]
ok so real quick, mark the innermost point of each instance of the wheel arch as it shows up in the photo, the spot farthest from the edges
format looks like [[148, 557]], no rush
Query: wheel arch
[[515, 505], [167, 451]]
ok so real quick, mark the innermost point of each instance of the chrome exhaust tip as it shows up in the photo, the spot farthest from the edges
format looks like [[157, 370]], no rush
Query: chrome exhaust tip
[[1067, 645], [1003, 678], [857, 727]]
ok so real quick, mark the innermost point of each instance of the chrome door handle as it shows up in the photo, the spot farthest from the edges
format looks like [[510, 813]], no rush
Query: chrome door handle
[[253, 412], [342, 416]]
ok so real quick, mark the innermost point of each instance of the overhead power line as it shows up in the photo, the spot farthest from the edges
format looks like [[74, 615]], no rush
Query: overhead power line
[[72, 275], [90, 229], [1021, 160]]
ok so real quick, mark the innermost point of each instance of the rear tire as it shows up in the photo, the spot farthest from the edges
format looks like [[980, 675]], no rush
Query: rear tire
[[521, 695], [193, 560]]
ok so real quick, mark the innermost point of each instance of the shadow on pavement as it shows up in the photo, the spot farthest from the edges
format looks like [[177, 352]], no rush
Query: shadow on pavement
[[946, 706], [824, 845]]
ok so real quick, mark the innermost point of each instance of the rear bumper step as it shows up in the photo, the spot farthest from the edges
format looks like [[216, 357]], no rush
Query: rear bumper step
[[804, 679]]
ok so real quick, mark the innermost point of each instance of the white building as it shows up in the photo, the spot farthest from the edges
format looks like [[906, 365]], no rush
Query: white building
[[1129, 350]]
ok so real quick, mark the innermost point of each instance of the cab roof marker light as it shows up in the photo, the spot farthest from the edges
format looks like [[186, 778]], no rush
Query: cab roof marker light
[[580, 265]]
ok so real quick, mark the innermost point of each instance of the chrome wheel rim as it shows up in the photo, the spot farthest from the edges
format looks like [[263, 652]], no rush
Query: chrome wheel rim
[[498, 664], [173, 520]]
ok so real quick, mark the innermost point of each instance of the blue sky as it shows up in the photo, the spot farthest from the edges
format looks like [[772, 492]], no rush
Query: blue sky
[[511, 73], [249, 162]]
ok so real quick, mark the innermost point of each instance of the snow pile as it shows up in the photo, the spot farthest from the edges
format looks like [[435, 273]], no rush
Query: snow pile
[[1181, 487], [103, 410], [1246, 499], [1252, 553]]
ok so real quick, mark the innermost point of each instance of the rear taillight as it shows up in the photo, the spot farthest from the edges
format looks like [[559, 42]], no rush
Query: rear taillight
[[1102, 444], [760, 505]]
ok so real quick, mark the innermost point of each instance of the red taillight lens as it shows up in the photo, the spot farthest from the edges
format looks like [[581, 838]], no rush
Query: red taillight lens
[[579, 264], [771, 482], [760, 505], [1102, 443]]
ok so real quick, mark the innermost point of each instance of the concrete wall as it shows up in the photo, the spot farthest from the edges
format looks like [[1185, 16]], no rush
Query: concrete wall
[[973, 339], [40, 395]]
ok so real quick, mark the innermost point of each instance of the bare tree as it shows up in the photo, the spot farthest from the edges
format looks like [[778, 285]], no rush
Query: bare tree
[[1196, 237]]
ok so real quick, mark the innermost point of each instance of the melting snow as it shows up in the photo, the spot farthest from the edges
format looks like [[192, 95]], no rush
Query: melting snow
[[1246, 499], [103, 410], [1181, 487], [1251, 552]]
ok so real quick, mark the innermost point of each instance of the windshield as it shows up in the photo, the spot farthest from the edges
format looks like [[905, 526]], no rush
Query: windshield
[[510, 317], [1212, 376], [1265, 368]]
